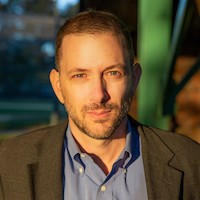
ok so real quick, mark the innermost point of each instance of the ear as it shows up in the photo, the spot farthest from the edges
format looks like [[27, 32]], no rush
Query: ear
[[136, 73], [55, 82]]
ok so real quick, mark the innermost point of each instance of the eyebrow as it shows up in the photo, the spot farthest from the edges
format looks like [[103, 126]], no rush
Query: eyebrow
[[122, 66], [74, 70]]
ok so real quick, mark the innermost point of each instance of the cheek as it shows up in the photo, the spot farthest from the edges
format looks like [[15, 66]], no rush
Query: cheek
[[118, 92], [75, 96]]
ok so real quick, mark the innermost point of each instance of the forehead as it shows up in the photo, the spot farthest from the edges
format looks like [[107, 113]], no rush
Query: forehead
[[91, 49]]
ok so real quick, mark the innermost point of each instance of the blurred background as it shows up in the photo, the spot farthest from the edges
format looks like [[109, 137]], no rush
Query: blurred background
[[166, 41]]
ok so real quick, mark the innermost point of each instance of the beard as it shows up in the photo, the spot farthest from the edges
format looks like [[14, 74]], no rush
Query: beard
[[100, 129]]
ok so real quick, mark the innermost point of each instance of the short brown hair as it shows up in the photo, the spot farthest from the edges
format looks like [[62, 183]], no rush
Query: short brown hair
[[92, 22]]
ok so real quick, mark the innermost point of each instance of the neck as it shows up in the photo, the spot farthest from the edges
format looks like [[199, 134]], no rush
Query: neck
[[104, 152]]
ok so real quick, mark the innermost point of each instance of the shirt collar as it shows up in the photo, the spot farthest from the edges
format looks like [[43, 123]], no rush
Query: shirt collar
[[132, 144], [73, 148]]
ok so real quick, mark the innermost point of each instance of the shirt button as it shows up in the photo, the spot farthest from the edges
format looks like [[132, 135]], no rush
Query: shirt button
[[103, 188], [81, 170], [82, 155]]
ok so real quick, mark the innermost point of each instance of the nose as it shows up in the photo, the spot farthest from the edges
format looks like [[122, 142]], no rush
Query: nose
[[99, 93]]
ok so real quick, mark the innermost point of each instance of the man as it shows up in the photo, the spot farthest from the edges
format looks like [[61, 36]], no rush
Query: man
[[101, 152]]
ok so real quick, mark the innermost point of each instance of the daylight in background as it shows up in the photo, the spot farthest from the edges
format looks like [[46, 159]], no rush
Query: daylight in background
[[27, 33]]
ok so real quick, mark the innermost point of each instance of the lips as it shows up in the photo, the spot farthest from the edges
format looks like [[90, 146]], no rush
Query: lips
[[99, 113]]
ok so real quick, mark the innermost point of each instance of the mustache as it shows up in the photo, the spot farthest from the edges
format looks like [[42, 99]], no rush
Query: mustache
[[101, 106]]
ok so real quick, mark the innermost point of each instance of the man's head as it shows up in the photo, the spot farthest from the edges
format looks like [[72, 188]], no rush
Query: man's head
[[95, 79]]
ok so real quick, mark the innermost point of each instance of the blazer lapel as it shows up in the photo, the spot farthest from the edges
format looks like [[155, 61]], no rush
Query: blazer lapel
[[17, 176], [47, 172], [162, 179], [37, 172]]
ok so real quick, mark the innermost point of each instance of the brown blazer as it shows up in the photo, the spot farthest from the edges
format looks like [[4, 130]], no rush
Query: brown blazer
[[30, 165]]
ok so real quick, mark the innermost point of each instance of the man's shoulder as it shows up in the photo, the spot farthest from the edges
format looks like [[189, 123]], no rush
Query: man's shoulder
[[25, 141], [177, 143], [175, 140], [186, 151]]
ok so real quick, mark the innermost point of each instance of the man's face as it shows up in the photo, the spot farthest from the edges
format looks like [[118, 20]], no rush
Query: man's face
[[92, 83]]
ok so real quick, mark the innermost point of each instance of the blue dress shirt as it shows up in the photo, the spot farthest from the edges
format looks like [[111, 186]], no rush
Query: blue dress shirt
[[83, 179]]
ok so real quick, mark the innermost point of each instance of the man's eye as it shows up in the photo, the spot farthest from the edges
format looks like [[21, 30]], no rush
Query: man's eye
[[114, 73], [79, 76]]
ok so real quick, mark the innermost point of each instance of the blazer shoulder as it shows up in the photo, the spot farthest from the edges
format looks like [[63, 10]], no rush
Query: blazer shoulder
[[181, 145], [24, 142], [176, 142], [176, 139]]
